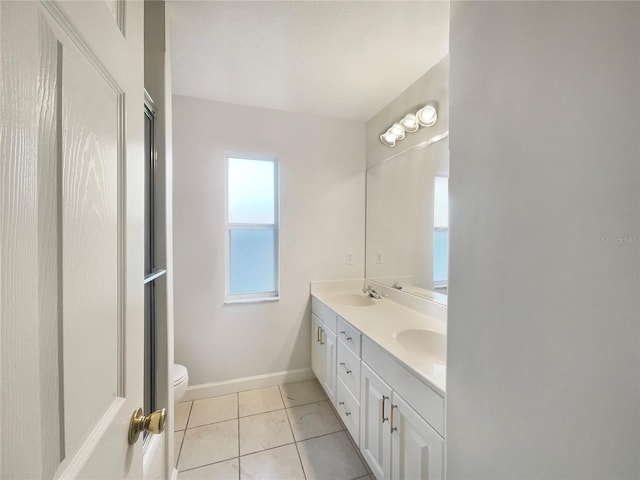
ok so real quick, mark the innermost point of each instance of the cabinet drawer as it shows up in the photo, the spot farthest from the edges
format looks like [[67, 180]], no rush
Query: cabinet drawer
[[349, 335], [349, 410], [324, 313], [349, 369]]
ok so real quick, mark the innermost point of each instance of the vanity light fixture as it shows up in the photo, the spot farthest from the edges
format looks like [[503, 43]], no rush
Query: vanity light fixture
[[427, 116], [388, 138], [397, 130], [410, 123]]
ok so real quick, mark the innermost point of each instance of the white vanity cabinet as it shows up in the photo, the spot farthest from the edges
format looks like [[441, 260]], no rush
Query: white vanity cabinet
[[375, 434], [396, 441], [417, 451], [348, 367], [317, 360], [394, 416], [323, 347]]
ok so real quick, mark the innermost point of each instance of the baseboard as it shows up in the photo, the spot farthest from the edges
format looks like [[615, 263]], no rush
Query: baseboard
[[206, 390]]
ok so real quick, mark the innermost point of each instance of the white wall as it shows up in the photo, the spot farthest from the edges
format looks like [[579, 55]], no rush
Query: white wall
[[322, 164], [544, 352]]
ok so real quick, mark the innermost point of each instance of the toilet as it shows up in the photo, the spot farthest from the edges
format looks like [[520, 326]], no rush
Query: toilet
[[180, 381]]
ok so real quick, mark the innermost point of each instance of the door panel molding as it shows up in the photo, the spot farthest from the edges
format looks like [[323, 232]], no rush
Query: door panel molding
[[53, 52]]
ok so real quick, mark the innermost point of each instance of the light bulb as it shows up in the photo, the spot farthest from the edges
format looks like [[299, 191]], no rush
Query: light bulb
[[410, 123], [388, 138], [397, 130], [427, 116]]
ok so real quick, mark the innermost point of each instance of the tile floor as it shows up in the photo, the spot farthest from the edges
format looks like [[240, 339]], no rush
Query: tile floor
[[285, 432]]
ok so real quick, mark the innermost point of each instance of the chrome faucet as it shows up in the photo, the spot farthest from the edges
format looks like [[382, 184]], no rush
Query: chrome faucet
[[371, 292]]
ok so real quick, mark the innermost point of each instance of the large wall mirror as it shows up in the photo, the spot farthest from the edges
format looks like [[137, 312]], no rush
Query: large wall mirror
[[407, 225]]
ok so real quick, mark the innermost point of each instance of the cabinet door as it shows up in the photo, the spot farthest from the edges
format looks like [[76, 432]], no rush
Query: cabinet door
[[329, 361], [375, 437], [417, 450], [317, 363]]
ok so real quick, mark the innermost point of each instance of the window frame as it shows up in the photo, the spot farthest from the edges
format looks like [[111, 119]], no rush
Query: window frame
[[254, 297]]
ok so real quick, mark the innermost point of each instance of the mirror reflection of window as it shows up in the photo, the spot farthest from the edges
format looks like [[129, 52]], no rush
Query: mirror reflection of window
[[441, 234]]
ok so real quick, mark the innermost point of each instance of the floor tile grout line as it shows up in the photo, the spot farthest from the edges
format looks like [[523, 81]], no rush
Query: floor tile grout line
[[285, 407], [367, 473], [193, 403], [260, 413], [278, 409], [281, 395], [324, 398], [184, 435], [238, 407], [180, 449], [320, 436], [300, 459], [272, 448], [256, 414], [356, 447], [358, 452], [212, 423], [307, 403], [208, 465], [304, 473], [267, 449], [257, 452]]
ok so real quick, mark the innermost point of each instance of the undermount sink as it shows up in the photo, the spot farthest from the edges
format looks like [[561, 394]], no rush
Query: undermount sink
[[354, 300], [424, 342]]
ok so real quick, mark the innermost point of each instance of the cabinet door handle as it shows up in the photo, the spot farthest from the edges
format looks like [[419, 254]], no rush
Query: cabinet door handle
[[322, 332], [346, 412], [393, 429], [318, 335], [384, 419], [346, 369], [345, 335]]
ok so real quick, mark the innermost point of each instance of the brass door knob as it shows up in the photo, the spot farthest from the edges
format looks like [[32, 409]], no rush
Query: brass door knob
[[152, 423]]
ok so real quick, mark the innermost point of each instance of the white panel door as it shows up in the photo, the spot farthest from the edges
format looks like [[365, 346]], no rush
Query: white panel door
[[72, 89], [317, 364], [329, 359], [417, 451], [375, 439]]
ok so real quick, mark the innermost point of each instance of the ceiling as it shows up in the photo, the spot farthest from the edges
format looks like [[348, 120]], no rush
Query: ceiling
[[337, 59]]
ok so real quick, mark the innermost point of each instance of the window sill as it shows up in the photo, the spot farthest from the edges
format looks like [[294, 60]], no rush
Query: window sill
[[231, 301]]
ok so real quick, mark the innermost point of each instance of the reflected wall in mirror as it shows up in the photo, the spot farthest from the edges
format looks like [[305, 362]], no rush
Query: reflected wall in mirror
[[407, 226], [407, 222]]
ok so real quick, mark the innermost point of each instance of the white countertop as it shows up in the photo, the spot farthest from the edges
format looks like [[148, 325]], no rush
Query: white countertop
[[382, 322]]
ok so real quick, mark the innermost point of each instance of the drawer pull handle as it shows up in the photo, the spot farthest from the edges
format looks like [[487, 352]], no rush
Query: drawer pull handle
[[346, 412], [393, 429], [345, 335], [384, 419], [346, 369]]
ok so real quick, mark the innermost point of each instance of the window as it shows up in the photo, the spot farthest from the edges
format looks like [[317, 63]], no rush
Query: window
[[252, 229], [441, 233]]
